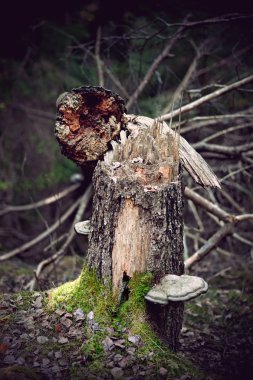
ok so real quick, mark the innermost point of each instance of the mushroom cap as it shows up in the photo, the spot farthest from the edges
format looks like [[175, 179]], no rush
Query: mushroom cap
[[157, 295], [183, 288], [177, 288], [82, 228]]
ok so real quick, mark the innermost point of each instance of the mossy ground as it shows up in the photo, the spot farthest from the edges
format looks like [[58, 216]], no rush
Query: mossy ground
[[89, 294], [216, 336]]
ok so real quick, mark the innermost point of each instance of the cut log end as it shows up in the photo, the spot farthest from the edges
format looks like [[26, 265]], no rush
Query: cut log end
[[88, 118]]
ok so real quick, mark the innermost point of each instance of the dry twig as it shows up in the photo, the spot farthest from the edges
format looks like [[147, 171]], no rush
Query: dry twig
[[154, 66], [83, 203], [43, 235], [207, 98], [43, 202]]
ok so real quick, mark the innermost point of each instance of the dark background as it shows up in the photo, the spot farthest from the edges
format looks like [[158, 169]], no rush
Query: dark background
[[21, 21]]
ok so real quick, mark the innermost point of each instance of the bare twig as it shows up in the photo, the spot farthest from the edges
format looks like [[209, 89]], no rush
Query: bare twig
[[204, 99], [221, 133], [207, 205], [232, 151], [243, 239], [83, 203], [243, 217], [43, 235], [97, 58], [54, 242], [225, 230], [116, 81], [214, 209], [196, 216], [224, 61], [235, 172], [154, 67], [203, 241], [112, 76], [188, 77], [232, 201], [210, 21], [198, 122], [43, 202]]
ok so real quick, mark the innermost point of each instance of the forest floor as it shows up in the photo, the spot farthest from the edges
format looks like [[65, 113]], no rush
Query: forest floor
[[217, 334]]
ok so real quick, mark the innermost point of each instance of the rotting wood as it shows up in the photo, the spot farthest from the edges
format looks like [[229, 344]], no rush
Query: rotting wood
[[89, 118], [136, 223]]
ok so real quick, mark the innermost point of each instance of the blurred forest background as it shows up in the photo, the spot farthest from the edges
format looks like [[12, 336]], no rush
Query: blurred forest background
[[49, 49]]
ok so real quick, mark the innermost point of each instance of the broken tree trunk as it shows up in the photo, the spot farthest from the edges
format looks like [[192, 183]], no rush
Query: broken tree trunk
[[136, 223]]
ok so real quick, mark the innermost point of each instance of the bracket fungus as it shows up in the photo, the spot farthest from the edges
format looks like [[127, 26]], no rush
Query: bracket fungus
[[82, 228], [177, 288]]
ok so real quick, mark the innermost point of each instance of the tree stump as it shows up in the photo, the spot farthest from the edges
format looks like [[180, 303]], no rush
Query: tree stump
[[136, 223]]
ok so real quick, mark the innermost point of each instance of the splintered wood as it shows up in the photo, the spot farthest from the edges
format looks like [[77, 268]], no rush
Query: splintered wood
[[137, 206], [131, 242], [149, 156]]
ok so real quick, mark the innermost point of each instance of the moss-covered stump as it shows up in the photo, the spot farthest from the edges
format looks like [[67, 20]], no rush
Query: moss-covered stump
[[136, 223]]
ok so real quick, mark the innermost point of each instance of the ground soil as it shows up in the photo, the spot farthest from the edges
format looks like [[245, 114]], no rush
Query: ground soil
[[217, 334]]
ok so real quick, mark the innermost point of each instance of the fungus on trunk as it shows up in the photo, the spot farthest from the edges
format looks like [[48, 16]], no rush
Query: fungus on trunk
[[137, 218], [82, 228], [177, 288]]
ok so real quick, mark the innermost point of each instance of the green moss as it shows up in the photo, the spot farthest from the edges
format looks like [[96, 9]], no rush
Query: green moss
[[132, 314], [86, 292]]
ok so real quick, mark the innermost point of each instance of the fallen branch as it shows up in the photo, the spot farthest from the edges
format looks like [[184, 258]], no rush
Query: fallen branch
[[221, 133], [188, 77], [154, 67], [198, 122], [214, 209], [98, 59], [203, 241], [225, 230], [215, 94], [43, 235], [232, 151], [207, 205], [83, 203], [43, 202]]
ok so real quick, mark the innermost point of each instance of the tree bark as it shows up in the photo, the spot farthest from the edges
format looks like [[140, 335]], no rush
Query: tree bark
[[134, 228], [137, 223]]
